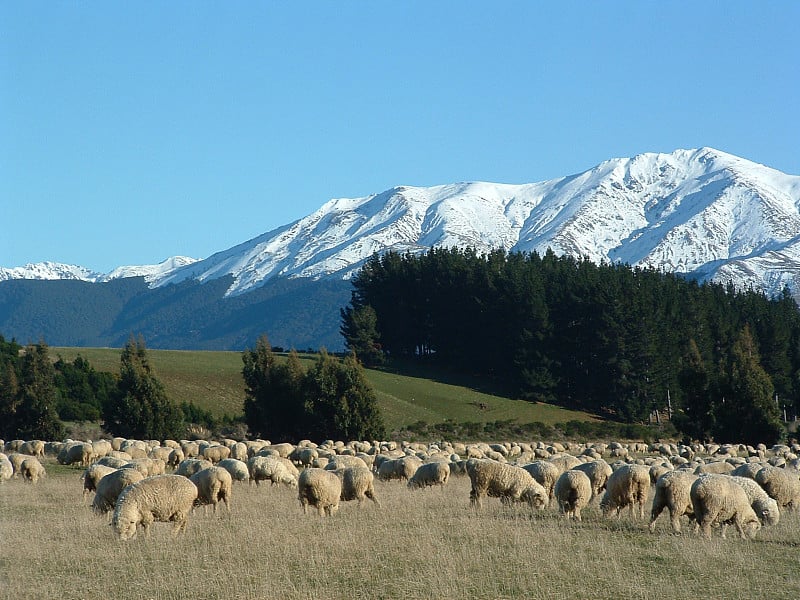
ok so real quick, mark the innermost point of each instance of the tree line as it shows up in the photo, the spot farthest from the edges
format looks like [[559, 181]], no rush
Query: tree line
[[614, 340], [284, 401]]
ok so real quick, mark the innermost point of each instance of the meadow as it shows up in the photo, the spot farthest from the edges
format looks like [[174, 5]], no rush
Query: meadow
[[213, 381], [417, 544]]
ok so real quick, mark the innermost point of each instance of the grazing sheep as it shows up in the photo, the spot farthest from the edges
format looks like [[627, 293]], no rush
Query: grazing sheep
[[718, 499], [564, 462], [766, 508], [358, 483], [213, 485], [16, 459], [398, 468], [6, 468], [673, 492], [658, 469], [110, 487], [714, 468], [546, 474], [161, 498], [216, 453], [627, 486], [92, 475], [190, 466], [598, 471], [321, 489], [573, 491], [237, 469], [76, 453], [111, 461], [272, 468], [31, 469], [341, 461], [782, 485], [504, 481], [429, 474], [32, 447], [748, 470]]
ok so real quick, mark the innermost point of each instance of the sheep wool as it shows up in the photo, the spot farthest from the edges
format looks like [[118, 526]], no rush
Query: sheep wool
[[162, 498], [718, 499], [781, 484], [766, 508], [673, 492], [110, 487], [507, 482], [627, 486], [573, 491], [321, 489], [546, 473], [430, 474], [214, 485], [358, 483]]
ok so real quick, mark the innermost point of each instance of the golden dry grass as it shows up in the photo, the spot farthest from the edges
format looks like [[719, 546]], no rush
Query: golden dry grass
[[423, 544]]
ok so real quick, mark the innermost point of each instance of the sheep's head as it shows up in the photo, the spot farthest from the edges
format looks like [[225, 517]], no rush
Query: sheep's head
[[767, 511], [535, 496]]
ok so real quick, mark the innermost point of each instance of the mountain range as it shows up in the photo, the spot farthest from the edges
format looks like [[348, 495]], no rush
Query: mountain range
[[702, 212]]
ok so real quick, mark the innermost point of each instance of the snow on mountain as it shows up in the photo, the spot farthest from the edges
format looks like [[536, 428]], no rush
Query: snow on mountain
[[701, 212], [53, 270]]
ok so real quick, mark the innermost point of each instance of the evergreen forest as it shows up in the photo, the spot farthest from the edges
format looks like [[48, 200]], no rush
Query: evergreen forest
[[624, 343]]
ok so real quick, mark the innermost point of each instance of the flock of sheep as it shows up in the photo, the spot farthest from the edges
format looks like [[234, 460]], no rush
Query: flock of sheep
[[710, 484]]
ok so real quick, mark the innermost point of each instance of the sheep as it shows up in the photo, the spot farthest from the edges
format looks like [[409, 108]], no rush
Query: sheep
[[573, 491], [216, 453], [76, 452], [627, 486], [564, 462], [507, 482], [33, 448], [16, 459], [31, 469], [321, 489], [598, 471], [718, 499], [341, 461], [92, 475], [766, 508], [110, 461], [6, 468], [714, 468], [190, 466], [658, 469], [546, 474], [782, 485], [358, 483], [237, 469], [213, 485], [429, 474], [399, 468], [748, 470], [672, 492], [110, 487], [161, 498], [272, 468]]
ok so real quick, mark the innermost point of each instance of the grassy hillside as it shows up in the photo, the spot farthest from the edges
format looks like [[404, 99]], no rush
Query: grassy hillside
[[213, 381]]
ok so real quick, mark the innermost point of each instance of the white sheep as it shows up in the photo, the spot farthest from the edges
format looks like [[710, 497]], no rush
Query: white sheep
[[214, 485], [714, 468], [573, 491], [110, 487], [507, 482], [627, 486], [598, 471], [718, 499], [673, 492], [31, 469], [782, 485], [748, 470], [32, 447], [546, 474], [321, 489], [430, 474], [216, 453], [398, 468], [6, 468], [766, 508], [565, 461], [92, 475], [237, 469], [162, 498], [190, 466], [358, 483], [274, 469]]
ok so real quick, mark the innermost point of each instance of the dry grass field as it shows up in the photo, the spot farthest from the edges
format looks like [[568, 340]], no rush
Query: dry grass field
[[423, 544]]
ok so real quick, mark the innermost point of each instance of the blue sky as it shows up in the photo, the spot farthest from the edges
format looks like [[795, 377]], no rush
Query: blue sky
[[131, 132]]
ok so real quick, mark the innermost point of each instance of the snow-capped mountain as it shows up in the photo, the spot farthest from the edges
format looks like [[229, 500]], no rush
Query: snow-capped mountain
[[701, 212], [53, 270]]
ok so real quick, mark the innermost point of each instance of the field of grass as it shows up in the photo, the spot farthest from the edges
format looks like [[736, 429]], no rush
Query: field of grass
[[213, 381], [423, 544]]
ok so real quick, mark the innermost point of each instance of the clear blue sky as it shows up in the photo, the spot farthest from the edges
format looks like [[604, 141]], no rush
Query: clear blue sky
[[134, 131]]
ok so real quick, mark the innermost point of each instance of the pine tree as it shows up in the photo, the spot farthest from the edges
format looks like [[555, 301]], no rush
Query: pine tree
[[36, 416], [697, 418], [140, 407], [360, 332], [749, 414]]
